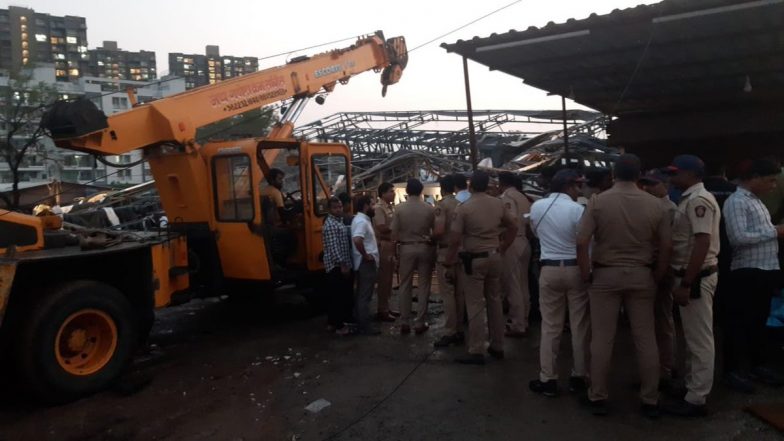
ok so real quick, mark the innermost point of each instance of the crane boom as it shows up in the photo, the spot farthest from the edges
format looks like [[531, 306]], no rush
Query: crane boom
[[81, 126]]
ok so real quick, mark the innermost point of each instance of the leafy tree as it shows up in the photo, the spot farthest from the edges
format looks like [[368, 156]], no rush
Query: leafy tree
[[22, 103]]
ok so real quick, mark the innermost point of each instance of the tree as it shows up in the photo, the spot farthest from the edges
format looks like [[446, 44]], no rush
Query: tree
[[22, 103]]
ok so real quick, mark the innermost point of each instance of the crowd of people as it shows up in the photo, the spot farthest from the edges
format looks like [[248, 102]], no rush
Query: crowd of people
[[661, 249]]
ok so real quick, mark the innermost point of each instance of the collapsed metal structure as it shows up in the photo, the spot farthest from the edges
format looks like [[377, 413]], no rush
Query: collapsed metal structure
[[393, 146]]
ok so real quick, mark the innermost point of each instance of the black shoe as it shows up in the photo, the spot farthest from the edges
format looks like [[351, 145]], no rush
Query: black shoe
[[650, 411], [683, 408], [495, 353], [446, 340], [477, 359], [577, 384], [549, 388], [739, 382], [598, 407], [766, 376]]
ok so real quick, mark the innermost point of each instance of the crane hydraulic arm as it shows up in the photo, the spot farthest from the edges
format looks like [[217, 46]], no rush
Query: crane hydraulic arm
[[81, 126]]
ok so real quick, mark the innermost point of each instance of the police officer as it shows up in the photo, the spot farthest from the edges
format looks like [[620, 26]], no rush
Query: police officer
[[627, 226], [514, 270], [454, 303], [477, 226], [382, 222], [655, 183], [695, 242], [412, 229]]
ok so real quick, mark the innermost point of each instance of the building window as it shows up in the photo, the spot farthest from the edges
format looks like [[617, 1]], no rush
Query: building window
[[70, 40], [40, 37], [119, 102], [74, 72]]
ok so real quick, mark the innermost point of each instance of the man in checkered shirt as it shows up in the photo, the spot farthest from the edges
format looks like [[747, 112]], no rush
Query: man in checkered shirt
[[755, 277], [337, 263]]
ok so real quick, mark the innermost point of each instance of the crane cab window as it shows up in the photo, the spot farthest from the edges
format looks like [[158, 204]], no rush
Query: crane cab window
[[233, 188], [330, 175]]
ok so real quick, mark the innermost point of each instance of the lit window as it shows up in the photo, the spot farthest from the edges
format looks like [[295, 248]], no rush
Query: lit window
[[40, 37], [24, 35], [60, 73], [70, 40], [23, 28], [83, 49], [227, 61], [100, 63], [23, 19], [60, 56], [74, 72], [211, 63], [25, 53], [54, 40], [25, 45], [25, 60], [179, 59]]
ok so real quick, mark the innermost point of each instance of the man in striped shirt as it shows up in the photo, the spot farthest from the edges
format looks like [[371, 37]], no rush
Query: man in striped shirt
[[754, 274], [337, 264]]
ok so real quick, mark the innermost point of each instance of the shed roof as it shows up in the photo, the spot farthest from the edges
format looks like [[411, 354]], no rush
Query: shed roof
[[675, 55]]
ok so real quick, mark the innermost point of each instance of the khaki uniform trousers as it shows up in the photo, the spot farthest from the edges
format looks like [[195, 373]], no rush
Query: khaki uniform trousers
[[514, 280], [454, 301], [697, 322], [635, 289], [483, 304], [386, 270], [665, 327], [420, 258], [559, 287]]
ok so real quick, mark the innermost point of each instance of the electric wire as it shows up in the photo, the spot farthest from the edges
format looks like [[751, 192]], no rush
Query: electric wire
[[466, 25]]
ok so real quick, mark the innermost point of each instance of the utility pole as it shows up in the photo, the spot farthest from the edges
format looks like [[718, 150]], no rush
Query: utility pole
[[471, 134]]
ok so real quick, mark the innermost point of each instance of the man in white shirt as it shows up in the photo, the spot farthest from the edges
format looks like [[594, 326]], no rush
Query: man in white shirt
[[461, 185], [366, 259], [554, 220]]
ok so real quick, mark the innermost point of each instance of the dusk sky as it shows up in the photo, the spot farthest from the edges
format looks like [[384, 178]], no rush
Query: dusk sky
[[433, 79]]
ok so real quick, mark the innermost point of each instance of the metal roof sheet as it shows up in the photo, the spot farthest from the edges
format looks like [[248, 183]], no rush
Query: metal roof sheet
[[677, 55]]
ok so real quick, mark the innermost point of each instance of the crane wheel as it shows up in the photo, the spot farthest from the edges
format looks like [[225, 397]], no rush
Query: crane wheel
[[78, 339]]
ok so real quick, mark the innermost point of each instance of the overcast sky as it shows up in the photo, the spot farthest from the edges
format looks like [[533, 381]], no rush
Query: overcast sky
[[433, 79]]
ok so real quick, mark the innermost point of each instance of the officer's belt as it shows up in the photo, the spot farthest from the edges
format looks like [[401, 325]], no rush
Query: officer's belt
[[707, 271], [601, 265], [468, 259], [565, 262]]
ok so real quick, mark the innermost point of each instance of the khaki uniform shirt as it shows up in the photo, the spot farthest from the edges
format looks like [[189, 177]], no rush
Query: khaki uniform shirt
[[519, 206], [669, 207], [480, 221], [626, 223], [413, 221], [698, 213], [443, 217], [384, 215], [445, 211]]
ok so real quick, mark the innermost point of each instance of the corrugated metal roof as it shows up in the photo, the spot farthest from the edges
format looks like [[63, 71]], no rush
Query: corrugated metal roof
[[674, 55]]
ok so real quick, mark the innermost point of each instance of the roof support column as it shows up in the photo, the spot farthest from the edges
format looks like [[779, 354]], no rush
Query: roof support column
[[471, 133]]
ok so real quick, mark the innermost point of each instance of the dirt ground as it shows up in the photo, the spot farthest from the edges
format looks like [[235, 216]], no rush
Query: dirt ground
[[225, 369]]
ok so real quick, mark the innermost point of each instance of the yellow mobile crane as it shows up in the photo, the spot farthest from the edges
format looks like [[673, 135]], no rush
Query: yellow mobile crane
[[71, 318]]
